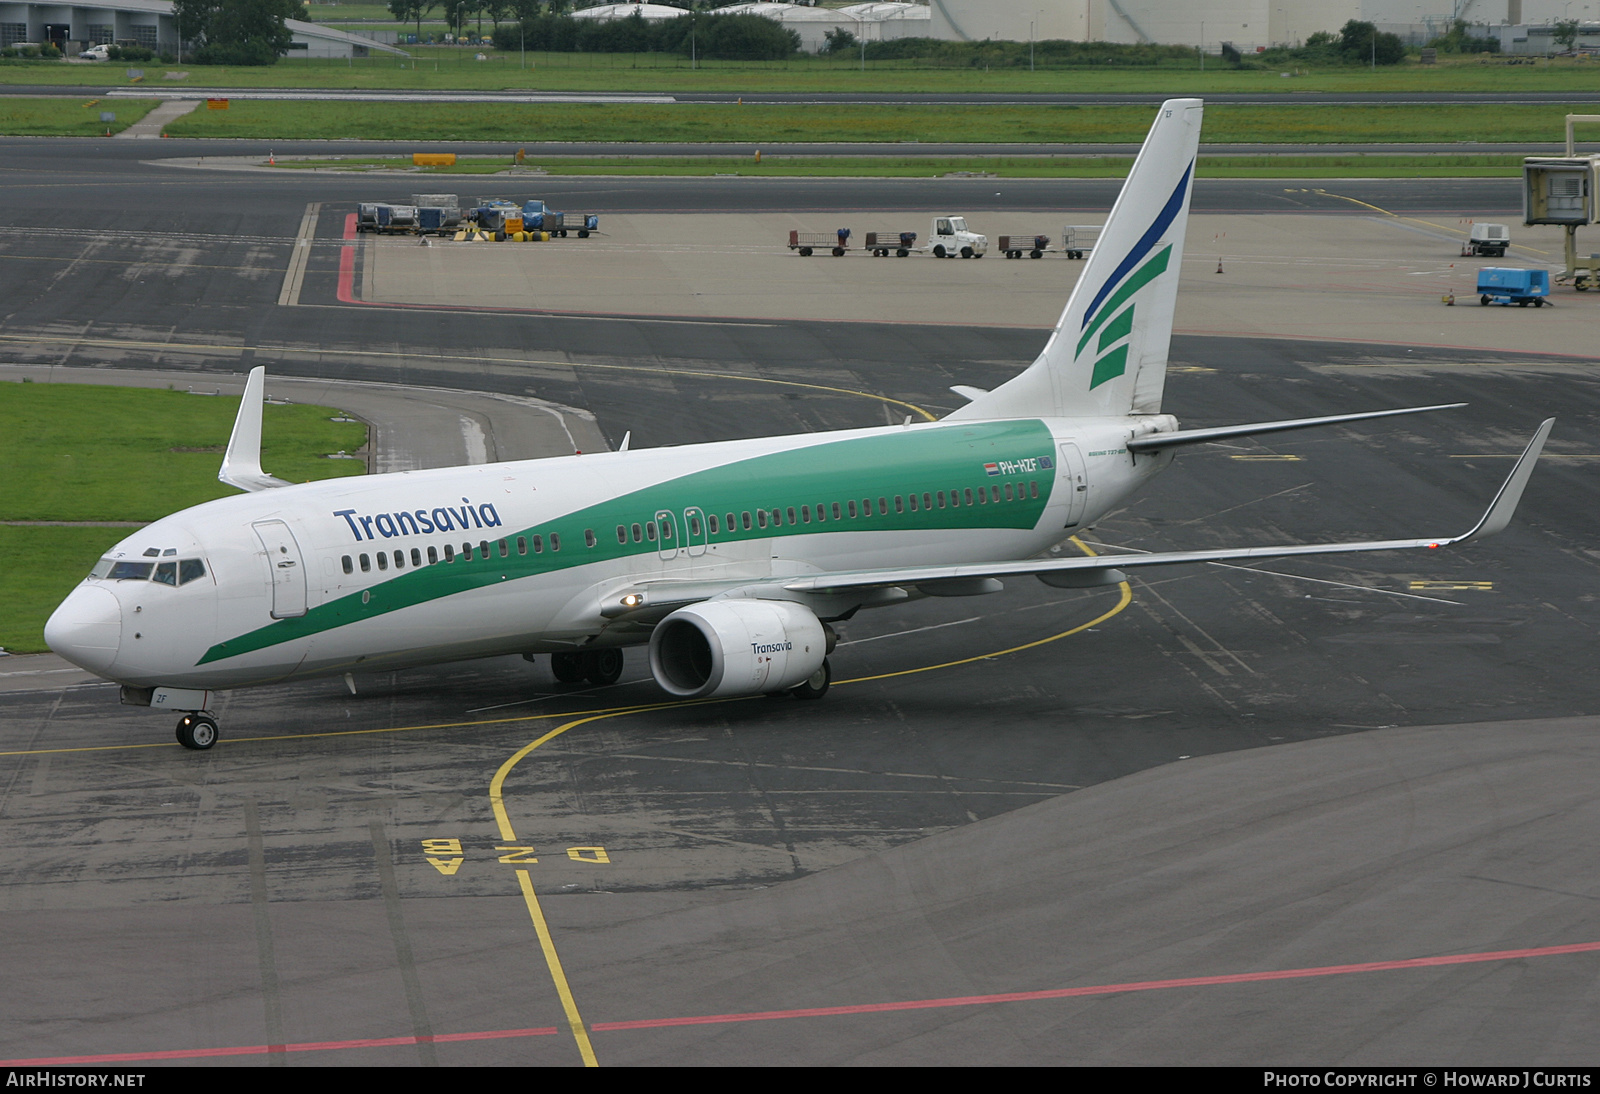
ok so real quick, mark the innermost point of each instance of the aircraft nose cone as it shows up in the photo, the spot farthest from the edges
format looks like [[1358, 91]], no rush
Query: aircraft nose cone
[[87, 629]]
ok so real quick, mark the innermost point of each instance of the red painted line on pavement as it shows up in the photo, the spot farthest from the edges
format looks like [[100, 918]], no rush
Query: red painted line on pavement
[[262, 1050], [825, 1012], [347, 264], [1102, 989]]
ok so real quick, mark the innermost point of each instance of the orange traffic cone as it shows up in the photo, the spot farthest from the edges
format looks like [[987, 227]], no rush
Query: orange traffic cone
[[1219, 263]]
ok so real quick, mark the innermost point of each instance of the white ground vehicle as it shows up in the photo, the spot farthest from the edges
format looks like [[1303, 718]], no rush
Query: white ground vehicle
[[96, 53], [949, 237], [1490, 240]]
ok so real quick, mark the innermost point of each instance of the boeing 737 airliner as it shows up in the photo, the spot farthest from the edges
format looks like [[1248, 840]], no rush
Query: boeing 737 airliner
[[728, 560]]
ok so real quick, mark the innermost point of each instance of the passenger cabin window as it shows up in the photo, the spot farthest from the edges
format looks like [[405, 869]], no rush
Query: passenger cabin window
[[366, 564], [433, 556], [538, 545], [555, 541], [349, 564], [383, 561], [416, 557], [449, 553], [622, 533], [589, 539], [522, 545]]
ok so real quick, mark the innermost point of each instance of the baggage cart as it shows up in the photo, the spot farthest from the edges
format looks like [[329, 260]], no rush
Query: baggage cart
[[881, 243], [806, 242], [1034, 245], [1077, 240]]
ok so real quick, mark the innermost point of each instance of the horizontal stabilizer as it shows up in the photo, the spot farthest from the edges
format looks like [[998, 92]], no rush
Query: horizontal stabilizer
[[1152, 441], [241, 464]]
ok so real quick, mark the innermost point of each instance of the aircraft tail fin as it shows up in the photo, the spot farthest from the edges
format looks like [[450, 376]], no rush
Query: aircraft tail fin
[[1108, 355]]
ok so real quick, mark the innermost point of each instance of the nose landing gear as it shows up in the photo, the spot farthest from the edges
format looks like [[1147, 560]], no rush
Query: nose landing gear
[[197, 730]]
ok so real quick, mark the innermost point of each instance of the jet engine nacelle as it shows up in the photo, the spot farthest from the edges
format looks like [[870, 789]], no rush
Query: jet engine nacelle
[[736, 647]]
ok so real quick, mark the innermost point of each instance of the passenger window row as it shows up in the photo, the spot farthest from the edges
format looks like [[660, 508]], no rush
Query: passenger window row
[[651, 531], [483, 549], [852, 510]]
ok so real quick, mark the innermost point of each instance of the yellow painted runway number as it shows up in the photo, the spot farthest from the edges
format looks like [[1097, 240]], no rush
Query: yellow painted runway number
[[444, 855], [447, 855]]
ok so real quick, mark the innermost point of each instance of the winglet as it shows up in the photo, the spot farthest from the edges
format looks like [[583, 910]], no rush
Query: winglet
[[1505, 502], [241, 464]]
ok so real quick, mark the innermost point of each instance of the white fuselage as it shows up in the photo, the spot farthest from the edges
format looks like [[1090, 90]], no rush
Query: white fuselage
[[293, 584]]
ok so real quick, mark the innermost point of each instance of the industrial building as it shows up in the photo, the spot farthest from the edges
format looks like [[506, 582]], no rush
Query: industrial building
[[151, 24]]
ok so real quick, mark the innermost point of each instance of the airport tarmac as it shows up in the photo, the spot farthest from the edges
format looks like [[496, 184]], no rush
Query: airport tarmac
[[1301, 276], [1338, 812]]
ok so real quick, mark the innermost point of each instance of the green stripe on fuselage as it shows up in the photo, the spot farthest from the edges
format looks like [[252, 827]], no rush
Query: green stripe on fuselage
[[923, 460]]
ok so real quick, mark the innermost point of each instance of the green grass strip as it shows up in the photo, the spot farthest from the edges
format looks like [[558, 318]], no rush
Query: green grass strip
[[517, 124], [446, 68], [68, 117], [89, 453], [1376, 165]]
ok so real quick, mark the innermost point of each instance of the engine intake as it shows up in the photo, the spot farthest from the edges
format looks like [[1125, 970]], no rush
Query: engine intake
[[736, 647]]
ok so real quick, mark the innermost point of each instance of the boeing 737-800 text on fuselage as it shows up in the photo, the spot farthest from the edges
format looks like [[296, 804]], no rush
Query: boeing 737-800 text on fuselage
[[729, 560]]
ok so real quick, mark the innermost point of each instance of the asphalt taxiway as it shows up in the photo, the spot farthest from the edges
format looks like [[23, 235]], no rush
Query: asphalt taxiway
[[1318, 812]]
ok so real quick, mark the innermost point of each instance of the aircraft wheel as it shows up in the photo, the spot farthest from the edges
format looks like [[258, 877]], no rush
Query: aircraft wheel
[[567, 667], [197, 731], [815, 686], [602, 667]]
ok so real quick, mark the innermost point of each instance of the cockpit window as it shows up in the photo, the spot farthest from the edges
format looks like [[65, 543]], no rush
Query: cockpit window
[[125, 571], [180, 572]]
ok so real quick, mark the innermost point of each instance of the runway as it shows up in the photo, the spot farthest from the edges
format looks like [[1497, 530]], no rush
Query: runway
[[1335, 813]]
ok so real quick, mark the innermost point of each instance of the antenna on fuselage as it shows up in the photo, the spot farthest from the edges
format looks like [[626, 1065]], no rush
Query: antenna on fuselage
[[241, 464]]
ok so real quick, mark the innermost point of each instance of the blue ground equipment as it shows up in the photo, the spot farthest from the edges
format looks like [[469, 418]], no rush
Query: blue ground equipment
[[1508, 285]]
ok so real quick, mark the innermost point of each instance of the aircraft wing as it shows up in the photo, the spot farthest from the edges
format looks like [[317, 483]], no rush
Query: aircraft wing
[[1109, 569]]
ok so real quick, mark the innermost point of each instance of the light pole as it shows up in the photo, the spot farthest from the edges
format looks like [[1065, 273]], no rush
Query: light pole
[[1030, 45]]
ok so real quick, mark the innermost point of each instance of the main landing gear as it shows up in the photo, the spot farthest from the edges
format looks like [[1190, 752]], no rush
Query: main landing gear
[[598, 667], [198, 730]]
